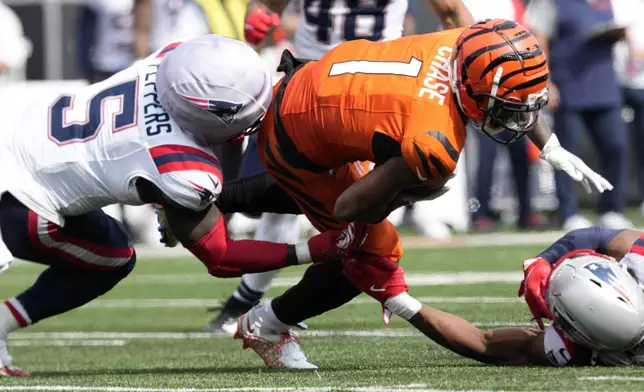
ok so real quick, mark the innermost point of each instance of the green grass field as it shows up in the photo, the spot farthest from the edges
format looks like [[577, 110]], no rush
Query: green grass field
[[144, 336]]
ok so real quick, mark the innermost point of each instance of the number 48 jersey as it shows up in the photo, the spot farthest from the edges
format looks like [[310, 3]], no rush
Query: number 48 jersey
[[75, 153], [327, 23]]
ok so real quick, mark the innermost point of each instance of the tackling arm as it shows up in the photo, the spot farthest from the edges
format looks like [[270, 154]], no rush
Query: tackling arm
[[203, 232], [452, 13], [506, 346]]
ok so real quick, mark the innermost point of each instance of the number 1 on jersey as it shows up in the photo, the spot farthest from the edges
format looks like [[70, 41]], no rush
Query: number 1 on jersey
[[411, 68]]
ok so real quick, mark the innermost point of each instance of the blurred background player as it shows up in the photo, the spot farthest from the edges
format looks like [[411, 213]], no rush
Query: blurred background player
[[629, 64], [585, 94], [105, 38], [323, 25], [482, 217], [15, 48]]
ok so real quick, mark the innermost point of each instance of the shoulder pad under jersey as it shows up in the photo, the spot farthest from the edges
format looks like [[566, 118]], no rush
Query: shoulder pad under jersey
[[189, 176]]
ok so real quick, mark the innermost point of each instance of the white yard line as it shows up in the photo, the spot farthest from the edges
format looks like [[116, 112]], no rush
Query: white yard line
[[69, 343], [104, 336], [409, 242], [611, 378], [202, 302], [401, 388], [414, 279]]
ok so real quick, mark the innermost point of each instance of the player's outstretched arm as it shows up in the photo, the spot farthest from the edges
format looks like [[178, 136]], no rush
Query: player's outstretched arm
[[506, 346], [452, 13], [203, 232]]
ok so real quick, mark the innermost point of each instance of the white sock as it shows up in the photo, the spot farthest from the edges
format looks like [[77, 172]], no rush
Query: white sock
[[12, 317], [264, 316], [278, 228]]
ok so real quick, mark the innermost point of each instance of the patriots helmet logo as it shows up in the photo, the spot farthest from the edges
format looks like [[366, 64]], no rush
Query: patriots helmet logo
[[602, 271], [226, 111], [605, 274]]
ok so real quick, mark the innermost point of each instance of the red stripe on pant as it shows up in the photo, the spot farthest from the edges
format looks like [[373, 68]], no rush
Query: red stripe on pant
[[97, 249], [56, 253], [16, 314]]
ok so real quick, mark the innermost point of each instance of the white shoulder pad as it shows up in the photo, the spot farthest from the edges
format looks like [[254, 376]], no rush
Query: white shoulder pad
[[555, 347], [191, 189], [189, 176]]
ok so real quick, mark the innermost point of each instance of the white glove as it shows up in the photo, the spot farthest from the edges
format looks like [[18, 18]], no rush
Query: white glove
[[563, 160]]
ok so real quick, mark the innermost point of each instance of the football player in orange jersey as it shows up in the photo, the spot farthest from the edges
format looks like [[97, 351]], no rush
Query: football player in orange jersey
[[403, 105]]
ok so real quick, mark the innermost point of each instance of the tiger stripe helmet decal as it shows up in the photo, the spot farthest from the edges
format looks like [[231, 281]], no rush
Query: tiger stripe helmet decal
[[499, 74]]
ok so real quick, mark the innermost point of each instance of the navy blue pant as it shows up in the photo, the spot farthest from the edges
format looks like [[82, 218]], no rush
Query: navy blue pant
[[608, 133], [635, 99], [86, 257], [488, 149]]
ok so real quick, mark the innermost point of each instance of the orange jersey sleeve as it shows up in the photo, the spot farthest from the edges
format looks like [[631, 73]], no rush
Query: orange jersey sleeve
[[433, 141]]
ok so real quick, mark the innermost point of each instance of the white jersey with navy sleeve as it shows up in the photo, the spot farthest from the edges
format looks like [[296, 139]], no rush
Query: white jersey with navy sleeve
[[325, 24], [84, 150]]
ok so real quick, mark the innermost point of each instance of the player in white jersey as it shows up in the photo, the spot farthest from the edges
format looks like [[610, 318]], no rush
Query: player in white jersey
[[323, 25], [139, 137]]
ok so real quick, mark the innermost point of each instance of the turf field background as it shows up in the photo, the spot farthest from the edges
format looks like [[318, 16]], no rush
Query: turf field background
[[145, 335]]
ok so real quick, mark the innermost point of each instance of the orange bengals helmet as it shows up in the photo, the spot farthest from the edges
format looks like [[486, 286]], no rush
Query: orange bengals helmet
[[500, 77]]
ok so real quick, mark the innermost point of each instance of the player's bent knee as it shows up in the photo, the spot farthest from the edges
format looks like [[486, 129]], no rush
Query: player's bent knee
[[106, 280]]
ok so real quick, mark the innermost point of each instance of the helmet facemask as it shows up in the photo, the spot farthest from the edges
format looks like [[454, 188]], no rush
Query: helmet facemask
[[507, 120]]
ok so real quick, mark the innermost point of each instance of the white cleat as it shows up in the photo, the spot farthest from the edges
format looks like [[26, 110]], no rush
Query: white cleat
[[576, 222], [279, 350], [5, 363], [615, 221]]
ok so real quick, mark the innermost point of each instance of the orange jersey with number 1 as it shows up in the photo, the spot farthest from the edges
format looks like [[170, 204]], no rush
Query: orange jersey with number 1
[[370, 101]]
